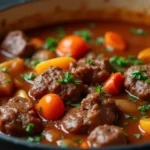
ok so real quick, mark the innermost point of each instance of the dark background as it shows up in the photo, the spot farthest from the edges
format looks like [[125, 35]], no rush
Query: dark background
[[9, 3]]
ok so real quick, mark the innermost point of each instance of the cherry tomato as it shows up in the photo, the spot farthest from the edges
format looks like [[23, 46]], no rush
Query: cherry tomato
[[51, 107], [72, 45]]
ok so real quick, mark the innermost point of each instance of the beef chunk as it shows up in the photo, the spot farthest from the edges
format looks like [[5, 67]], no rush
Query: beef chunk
[[92, 71], [17, 44], [6, 84], [135, 86], [106, 135], [96, 109], [17, 115], [48, 82]]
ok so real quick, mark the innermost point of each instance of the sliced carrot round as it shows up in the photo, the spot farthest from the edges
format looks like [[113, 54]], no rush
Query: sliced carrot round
[[115, 41], [144, 54], [145, 125]]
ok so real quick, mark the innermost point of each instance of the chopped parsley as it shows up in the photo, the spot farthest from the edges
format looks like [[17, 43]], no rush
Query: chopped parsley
[[148, 81], [62, 137], [138, 136], [75, 105], [63, 145], [127, 116], [119, 63], [99, 40], [144, 117], [4, 69], [85, 34], [125, 133], [133, 99], [61, 32], [36, 62], [138, 31], [89, 61], [134, 118], [139, 75], [35, 139], [109, 49], [99, 89], [51, 44], [68, 79], [30, 127], [125, 124], [77, 140], [8, 80], [28, 76], [86, 121], [144, 108]]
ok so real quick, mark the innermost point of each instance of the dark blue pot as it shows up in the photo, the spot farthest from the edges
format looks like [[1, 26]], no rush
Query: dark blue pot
[[12, 143]]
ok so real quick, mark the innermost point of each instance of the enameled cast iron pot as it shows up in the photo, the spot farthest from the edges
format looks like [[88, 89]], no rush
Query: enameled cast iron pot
[[28, 14]]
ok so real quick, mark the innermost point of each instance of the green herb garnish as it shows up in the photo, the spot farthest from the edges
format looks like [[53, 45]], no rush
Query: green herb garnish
[[89, 61], [148, 81], [75, 105], [30, 127], [144, 117], [99, 89], [51, 44], [35, 139], [99, 40], [8, 80], [36, 62], [77, 140], [28, 76], [137, 136], [127, 116], [60, 31], [4, 69], [85, 34], [138, 75], [144, 108], [138, 31], [63, 145], [125, 124], [62, 137], [68, 79]]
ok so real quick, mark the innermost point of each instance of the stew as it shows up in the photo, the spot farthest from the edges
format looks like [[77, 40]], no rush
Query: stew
[[77, 84]]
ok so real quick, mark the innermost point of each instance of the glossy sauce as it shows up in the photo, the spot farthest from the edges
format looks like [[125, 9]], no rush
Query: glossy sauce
[[135, 44]]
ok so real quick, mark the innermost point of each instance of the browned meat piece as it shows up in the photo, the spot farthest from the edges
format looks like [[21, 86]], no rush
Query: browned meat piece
[[92, 71], [138, 87], [106, 135], [48, 82], [17, 44], [96, 109], [6, 84], [44, 55], [17, 115]]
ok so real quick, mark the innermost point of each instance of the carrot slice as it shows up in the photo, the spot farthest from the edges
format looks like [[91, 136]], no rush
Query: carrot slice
[[62, 62], [115, 41], [113, 83], [145, 125], [144, 54]]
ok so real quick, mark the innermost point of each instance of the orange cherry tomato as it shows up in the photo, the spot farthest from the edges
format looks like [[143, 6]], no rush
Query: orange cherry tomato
[[114, 83], [72, 45], [115, 41], [51, 107]]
